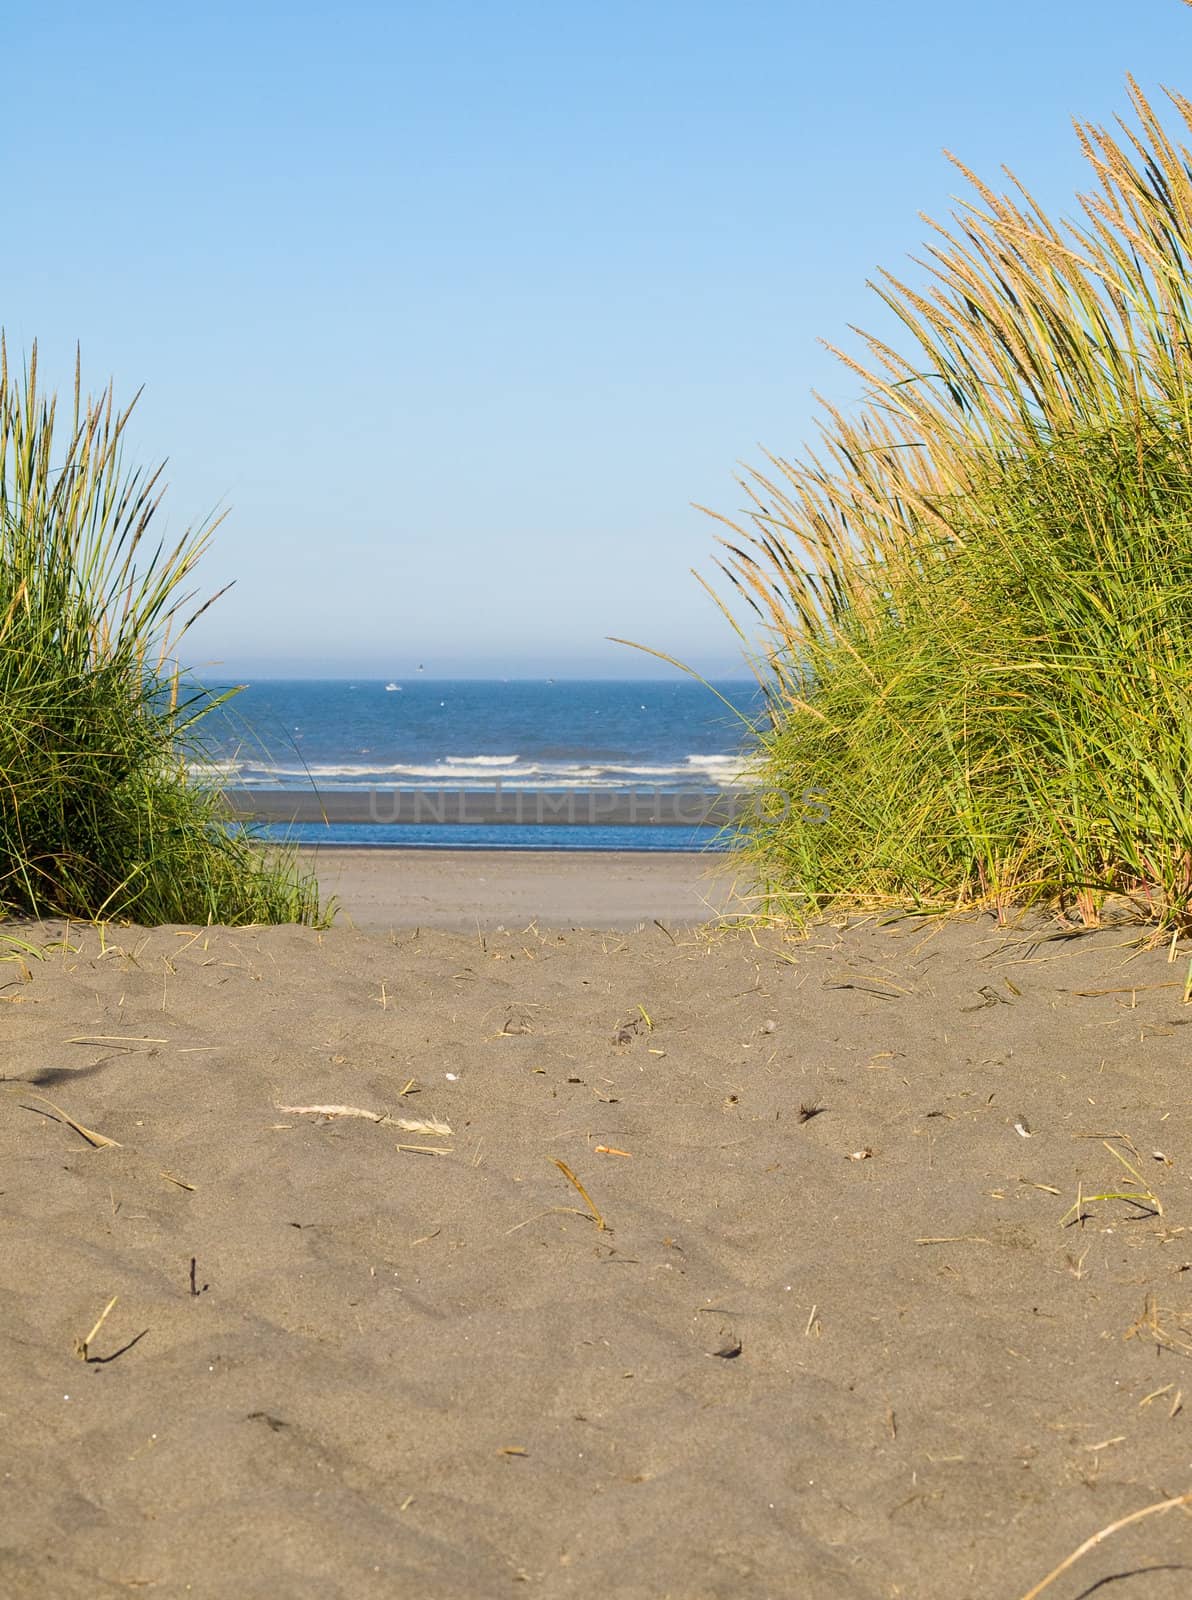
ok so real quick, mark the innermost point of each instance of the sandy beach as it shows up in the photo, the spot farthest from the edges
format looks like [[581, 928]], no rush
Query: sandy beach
[[379, 890], [824, 1321]]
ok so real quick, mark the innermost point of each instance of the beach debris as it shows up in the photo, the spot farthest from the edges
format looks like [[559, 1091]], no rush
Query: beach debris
[[513, 1450], [1180, 1500], [989, 997], [425, 1125], [181, 1182], [633, 1026], [427, 1149], [807, 1112], [430, 1125], [1075, 1264], [768, 1026], [113, 1038], [1177, 1403], [954, 1238], [1022, 1128], [274, 1424], [194, 1281], [1176, 1337], [331, 1111], [881, 988], [1137, 1192], [611, 1150], [861, 1155], [729, 1350], [83, 1345], [597, 1218], [98, 1141]]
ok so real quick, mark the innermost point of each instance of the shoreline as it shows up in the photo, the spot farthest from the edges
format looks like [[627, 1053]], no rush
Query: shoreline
[[383, 847], [498, 805]]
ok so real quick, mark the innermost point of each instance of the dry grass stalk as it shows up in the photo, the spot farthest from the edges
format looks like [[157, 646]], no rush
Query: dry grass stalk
[[83, 1346], [406, 1124], [332, 1111], [955, 1238], [1149, 1324], [98, 1141], [1182, 1500], [427, 1125], [597, 1218], [1139, 1193]]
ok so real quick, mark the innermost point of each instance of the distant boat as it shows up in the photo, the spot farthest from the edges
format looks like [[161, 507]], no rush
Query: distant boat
[[393, 688]]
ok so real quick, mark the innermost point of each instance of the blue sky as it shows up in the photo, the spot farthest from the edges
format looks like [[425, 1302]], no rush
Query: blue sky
[[459, 306]]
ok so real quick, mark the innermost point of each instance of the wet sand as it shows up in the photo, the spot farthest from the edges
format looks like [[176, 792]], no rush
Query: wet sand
[[848, 1355]]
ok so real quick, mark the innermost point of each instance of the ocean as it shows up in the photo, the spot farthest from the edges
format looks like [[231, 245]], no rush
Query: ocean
[[546, 736]]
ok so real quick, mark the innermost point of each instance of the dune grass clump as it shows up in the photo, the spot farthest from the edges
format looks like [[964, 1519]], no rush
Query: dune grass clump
[[976, 593], [99, 813]]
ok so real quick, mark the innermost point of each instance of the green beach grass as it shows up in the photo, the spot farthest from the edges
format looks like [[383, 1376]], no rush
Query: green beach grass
[[100, 815], [975, 594]]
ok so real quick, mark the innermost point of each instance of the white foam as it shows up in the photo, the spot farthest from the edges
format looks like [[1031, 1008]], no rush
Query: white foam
[[483, 771], [480, 761]]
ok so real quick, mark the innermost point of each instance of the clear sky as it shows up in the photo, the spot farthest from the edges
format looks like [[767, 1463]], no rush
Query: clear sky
[[459, 306]]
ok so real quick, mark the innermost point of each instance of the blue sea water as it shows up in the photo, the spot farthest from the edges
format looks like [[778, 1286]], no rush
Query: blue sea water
[[546, 735]]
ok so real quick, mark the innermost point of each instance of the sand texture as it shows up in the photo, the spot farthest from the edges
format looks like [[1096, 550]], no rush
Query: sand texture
[[849, 1357]]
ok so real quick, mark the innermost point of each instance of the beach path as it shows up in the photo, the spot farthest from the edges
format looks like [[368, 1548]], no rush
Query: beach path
[[726, 1267]]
